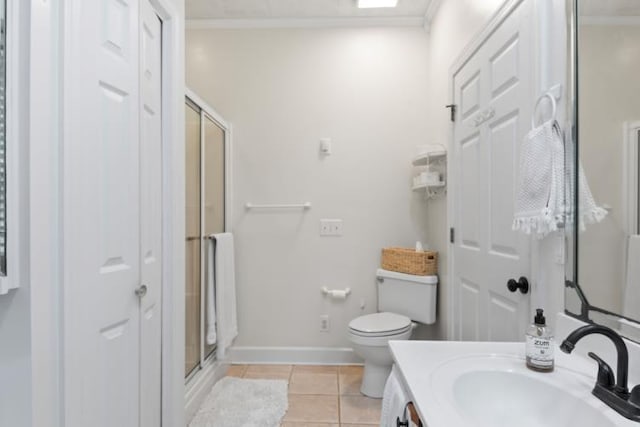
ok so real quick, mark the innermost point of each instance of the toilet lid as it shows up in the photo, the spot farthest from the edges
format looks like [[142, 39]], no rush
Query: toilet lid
[[380, 323]]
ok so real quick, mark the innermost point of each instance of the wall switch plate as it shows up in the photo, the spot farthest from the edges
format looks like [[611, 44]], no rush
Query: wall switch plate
[[331, 227], [324, 323], [325, 146]]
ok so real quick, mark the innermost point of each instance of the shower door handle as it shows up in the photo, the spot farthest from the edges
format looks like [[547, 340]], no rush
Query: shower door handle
[[141, 291]]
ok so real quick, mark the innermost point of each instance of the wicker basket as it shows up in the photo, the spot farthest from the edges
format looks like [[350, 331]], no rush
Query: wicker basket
[[409, 261]]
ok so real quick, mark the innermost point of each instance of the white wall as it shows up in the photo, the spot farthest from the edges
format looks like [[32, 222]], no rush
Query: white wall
[[455, 24], [283, 90], [609, 63]]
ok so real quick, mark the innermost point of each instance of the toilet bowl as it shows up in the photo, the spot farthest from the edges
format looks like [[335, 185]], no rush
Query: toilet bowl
[[370, 336], [401, 299]]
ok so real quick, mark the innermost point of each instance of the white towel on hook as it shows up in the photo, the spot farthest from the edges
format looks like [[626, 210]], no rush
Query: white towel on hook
[[541, 182], [226, 309], [211, 292], [543, 203]]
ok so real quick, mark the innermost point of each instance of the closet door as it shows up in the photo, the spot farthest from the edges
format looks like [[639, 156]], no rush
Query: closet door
[[101, 214], [150, 215]]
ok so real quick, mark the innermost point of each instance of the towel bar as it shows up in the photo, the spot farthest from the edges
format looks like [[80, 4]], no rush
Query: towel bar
[[306, 205]]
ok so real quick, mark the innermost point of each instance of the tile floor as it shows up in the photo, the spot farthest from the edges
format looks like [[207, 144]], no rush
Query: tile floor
[[319, 396]]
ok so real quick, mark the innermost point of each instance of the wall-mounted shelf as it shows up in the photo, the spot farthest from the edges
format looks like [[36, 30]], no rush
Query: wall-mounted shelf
[[432, 160], [420, 187], [425, 158]]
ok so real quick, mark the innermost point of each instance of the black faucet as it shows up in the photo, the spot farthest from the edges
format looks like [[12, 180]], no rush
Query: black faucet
[[614, 393]]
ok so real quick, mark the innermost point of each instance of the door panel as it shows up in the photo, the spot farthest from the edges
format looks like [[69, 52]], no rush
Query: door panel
[[150, 215], [494, 91], [102, 215]]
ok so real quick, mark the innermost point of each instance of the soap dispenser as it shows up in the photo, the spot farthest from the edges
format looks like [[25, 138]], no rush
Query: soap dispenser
[[539, 344]]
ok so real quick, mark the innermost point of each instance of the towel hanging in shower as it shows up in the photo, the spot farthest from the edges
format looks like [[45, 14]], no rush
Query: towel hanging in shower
[[225, 284], [212, 335]]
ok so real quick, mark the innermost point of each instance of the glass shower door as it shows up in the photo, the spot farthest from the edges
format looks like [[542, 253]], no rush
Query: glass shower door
[[205, 215], [214, 187], [193, 242]]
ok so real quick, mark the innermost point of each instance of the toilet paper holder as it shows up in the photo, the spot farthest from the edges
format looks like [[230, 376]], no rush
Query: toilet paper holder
[[336, 293]]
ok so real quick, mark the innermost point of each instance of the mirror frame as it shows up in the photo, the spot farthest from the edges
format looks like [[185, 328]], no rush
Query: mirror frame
[[572, 148]]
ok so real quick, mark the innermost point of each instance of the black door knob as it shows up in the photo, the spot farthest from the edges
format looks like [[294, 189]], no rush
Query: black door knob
[[522, 284]]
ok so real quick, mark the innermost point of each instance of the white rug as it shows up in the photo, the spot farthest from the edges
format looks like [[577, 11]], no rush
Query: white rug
[[235, 402]]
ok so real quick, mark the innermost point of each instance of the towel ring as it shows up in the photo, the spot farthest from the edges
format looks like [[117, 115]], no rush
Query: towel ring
[[554, 107]]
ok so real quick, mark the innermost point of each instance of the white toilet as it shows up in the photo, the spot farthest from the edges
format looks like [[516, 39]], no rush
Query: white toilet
[[401, 299]]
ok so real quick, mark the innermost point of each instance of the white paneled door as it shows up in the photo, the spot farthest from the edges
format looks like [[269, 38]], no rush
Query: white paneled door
[[493, 92], [150, 215], [112, 214]]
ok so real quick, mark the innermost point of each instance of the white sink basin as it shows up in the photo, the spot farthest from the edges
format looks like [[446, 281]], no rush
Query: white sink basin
[[499, 391], [471, 384]]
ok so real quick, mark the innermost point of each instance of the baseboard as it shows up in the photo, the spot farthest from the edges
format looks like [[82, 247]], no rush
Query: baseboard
[[199, 386], [294, 355]]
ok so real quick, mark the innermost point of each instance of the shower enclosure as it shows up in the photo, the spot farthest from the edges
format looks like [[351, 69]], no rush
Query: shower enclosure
[[207, 151]]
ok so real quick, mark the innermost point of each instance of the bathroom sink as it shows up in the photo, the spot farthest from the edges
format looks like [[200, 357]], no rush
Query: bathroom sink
[[474, 384], [498, 391]]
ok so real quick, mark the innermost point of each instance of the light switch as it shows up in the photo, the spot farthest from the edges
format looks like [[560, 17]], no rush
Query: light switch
[[325, 146]]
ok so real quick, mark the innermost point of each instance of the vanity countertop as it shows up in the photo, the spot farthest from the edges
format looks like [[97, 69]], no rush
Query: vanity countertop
[[420, 363]]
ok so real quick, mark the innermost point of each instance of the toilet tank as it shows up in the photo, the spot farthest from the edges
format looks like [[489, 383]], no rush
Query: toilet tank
[[412, 296]]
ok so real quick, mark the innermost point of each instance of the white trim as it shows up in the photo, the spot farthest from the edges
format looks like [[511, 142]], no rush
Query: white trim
[[173, 219], [630, 153], [430, 14], [197, 390], [609, 20], [44, 67], [294, 355], [394, 21]]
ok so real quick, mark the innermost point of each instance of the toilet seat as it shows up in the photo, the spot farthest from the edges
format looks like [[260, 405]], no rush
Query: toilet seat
[[380, 325]]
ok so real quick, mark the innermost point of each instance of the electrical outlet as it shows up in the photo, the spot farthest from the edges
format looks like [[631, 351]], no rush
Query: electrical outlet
[[331, 227], [324, 323]]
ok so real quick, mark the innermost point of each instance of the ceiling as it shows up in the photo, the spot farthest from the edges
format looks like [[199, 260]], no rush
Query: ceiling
[[297, 9]]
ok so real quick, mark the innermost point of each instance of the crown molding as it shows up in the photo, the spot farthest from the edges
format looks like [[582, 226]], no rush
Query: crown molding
[[432, 9], [401, 21]]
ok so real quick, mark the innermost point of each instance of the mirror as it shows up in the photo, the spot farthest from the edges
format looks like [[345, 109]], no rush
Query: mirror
[[603, 283]]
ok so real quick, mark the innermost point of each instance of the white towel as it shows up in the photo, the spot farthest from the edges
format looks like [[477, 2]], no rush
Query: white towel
[[631, 307], [394, 399], [542, 202], [211, 292], [225, 283]]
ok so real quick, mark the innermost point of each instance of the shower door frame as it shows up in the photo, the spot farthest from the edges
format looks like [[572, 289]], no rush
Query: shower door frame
[[200, 380]]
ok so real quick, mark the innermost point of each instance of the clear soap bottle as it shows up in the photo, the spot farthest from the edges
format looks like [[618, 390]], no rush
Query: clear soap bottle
[[539, 344]]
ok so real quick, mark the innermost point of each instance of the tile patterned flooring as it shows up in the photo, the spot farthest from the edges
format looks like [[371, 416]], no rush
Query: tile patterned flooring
[[319, 396]]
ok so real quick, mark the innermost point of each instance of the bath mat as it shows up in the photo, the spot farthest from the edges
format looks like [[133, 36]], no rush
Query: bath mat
[[236, 402]]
